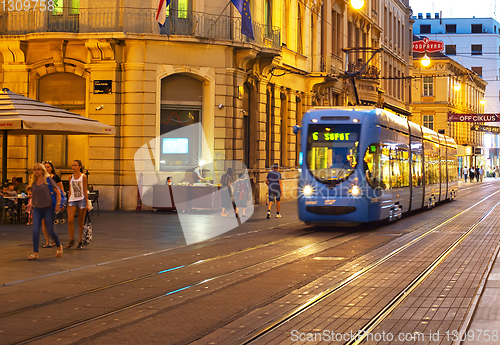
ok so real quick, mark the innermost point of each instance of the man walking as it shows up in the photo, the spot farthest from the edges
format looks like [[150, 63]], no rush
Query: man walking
[[466, 172], [273, 180]]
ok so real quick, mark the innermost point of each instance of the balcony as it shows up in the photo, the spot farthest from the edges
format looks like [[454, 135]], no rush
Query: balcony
[[137, 21]]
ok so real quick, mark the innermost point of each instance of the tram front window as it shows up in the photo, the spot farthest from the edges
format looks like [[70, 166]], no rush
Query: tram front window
[[332, 152]]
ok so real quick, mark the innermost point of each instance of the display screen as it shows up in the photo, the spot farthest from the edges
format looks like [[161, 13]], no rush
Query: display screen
[[328, 135], [175, 146]]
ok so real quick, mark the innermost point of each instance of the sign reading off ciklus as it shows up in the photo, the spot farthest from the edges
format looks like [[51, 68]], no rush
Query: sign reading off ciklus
[[452, 117], [427, 45]]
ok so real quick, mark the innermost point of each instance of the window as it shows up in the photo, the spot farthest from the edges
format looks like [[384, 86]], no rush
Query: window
[[425, 29], [62, 7], [477, 70], [476, 28], [476, 49], [268, 17], [428, 86], [299, 30], [180, 8], [284, 24], [451, 49], [451, 28], [428, 121]]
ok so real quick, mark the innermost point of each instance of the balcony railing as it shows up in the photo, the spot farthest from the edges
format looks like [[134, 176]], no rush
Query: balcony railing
[[137, 21]]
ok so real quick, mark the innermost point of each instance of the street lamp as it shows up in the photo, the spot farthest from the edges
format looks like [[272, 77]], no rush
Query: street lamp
[[357, 4], [482, 102], [457, 86], [425, 61]]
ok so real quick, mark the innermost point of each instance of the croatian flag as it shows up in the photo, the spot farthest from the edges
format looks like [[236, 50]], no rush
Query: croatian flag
[[161, 14]]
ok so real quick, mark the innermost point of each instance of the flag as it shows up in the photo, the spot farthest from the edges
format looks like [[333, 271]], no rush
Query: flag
[[161, 14], [243, 6]]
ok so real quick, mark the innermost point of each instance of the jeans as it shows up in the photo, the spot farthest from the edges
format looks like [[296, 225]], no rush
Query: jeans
[[46, 213]]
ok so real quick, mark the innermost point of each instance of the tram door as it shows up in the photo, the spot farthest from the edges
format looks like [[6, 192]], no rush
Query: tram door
[[417, 196], [442, 168]]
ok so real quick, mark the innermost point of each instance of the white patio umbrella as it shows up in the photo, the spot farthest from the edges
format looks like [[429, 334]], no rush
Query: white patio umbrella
[[21, 115]]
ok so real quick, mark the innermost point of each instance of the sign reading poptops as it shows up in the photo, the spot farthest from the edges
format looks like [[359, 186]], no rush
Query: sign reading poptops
[[427, 45], [452, 117]]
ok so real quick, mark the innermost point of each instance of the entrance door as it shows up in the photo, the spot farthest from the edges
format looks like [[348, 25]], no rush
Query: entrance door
[[179, 18]]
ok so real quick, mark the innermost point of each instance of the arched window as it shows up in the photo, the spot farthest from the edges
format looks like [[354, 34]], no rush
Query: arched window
[[61, 150], [181, 102]]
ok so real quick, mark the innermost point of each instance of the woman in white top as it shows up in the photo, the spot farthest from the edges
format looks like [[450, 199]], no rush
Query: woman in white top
[[77, 198]]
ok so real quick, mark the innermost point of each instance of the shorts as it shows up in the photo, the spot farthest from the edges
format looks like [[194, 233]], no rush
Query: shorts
[[78, 203], [274, 196]]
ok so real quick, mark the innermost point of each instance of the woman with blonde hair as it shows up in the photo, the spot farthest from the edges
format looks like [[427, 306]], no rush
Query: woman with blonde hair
[[49, 167], [43, 207], [77, 198]]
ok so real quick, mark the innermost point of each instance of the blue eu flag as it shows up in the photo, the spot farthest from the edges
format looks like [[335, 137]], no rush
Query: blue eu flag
[[243, 6]]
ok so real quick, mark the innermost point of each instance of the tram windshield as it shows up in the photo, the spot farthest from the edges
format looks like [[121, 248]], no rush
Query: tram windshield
[[332, 151]]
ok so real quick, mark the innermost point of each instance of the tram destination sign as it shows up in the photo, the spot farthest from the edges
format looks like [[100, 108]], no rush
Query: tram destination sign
[[453, 117]]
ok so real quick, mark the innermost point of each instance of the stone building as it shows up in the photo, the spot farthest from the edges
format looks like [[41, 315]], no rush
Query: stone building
[[109, 60], [445, 87]]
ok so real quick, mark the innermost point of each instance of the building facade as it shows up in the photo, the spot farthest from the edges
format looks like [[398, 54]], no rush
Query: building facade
[[446, 87], [109, 60], [475, 44]]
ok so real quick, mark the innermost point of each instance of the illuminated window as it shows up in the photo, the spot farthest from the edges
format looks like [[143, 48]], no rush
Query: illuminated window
[[71, 6], [182, 6]]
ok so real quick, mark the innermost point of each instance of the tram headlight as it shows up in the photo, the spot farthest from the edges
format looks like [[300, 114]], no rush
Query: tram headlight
[[307, 190], [355, 191]]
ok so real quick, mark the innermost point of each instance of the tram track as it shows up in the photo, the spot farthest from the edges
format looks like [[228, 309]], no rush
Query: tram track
[[306, 250], [197, 283], [318, 298], [152, 275]]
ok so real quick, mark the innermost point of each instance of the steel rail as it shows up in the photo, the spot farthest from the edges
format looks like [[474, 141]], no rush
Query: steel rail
[[389, 307], [151, 275], [328, 292], [165, 294]]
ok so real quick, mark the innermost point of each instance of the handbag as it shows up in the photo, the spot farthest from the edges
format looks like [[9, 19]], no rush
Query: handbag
[[87, 230], [53, 195]]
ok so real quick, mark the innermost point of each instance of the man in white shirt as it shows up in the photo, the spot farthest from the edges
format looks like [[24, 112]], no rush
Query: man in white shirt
[[481, 174]]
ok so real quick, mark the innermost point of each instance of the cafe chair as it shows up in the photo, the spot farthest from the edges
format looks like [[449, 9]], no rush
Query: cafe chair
[[94, 199], [9, 209], [2, 207]]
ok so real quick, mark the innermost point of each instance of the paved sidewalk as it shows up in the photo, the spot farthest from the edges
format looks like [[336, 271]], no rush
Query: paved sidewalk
[[118, 235]]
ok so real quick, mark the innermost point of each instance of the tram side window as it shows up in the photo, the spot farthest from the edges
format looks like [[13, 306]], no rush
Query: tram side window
[[372, 166], [404, 167], [385, 161], [416, 168], [395, 168], [431, 167]]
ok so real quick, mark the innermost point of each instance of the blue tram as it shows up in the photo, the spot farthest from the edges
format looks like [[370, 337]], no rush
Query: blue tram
[[362, 164]]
